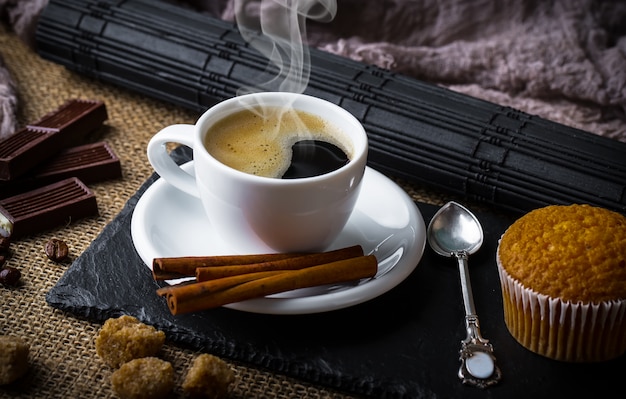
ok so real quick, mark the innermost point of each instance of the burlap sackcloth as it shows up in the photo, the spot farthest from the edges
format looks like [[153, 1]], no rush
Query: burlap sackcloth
[[63, 360]]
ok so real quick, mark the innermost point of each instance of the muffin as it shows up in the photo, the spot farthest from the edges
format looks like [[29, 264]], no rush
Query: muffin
[[563, 276]]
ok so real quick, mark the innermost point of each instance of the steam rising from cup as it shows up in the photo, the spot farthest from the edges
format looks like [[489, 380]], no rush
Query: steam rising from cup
[[277, 29], [282, 26]]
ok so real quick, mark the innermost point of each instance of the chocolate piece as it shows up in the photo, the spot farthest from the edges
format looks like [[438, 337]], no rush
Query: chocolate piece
[[90, 163], [46, 207], [41, 140]]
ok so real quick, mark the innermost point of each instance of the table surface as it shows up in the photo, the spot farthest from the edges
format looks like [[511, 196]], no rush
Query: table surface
[[63, 361]]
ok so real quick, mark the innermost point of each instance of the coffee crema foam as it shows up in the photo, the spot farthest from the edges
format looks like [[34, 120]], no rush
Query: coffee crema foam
[[259, 141]]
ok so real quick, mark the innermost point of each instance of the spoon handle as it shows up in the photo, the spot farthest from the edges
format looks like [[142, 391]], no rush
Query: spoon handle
[[466, 285], [478, 363]]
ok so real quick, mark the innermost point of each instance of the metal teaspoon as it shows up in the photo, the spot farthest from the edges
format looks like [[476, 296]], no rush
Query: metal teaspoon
[[455, 232]]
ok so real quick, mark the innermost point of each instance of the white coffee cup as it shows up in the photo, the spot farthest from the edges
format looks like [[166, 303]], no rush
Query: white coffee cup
[[256, 214]]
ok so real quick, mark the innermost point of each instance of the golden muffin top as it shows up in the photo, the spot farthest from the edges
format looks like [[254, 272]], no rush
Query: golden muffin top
[[576, 253]]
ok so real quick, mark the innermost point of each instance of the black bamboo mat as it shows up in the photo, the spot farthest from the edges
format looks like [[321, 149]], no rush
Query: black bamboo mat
[[423, 133]]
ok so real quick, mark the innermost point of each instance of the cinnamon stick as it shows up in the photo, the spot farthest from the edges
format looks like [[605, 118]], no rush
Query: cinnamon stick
[[293, 263], [185, 266], [196, 296], [218, 284]]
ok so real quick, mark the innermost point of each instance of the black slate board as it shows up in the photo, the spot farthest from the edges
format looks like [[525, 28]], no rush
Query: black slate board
[[403, 344]]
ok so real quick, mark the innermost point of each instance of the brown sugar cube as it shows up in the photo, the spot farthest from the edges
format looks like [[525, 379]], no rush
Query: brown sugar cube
[[13, 358], [208, 377], [145, 378], [125, 338]]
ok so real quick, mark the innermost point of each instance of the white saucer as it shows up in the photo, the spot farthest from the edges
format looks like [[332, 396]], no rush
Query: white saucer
[[386, 222]]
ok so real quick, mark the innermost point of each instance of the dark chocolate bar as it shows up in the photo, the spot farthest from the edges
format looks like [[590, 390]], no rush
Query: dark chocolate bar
[[39, 141], [90, 163], [46, 207]]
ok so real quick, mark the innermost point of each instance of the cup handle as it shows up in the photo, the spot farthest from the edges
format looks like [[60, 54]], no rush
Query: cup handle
[[164, 165]]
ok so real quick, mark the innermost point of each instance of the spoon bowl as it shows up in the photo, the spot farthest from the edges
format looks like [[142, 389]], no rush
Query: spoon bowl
[[454, 231]]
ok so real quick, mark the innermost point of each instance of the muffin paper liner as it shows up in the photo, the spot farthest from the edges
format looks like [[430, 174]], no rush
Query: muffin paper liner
[[561, 330]]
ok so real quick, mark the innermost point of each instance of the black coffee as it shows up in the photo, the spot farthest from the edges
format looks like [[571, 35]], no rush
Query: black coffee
[[314, 158], [260, 141]]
